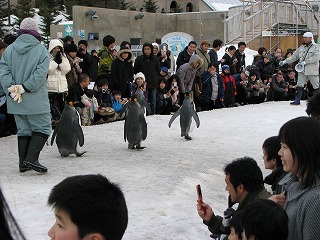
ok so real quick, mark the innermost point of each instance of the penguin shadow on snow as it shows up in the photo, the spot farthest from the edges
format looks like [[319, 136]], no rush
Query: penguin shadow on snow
[[68, 133]]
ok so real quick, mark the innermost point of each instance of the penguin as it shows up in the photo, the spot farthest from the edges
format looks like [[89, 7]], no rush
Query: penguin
[[142, 100], [68, 132], [186, 112], [135, 125]]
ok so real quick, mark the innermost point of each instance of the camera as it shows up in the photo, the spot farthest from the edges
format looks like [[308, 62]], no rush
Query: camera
[[81, 60], [81, 49]]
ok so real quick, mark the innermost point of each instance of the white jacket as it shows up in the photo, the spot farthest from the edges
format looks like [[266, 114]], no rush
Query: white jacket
[[311, 58], [57, 81]]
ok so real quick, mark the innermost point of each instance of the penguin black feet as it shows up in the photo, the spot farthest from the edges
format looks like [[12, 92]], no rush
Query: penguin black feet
[[139, 147], [187, 137], [135, 146]]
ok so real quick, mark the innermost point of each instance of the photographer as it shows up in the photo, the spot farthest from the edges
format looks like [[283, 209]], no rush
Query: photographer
[[85, 58]]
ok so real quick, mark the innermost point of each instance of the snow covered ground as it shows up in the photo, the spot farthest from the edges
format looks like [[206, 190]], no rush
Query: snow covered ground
[[159, 181]]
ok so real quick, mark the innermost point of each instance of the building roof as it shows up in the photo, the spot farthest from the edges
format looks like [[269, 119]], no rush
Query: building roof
[[222, 5]]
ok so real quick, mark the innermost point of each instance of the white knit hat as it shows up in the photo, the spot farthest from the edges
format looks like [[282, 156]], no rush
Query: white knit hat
[[308, 35], [140, 75], [155, 45], [29, 24]]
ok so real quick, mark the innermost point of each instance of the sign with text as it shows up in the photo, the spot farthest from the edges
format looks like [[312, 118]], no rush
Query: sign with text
[[176, 41]]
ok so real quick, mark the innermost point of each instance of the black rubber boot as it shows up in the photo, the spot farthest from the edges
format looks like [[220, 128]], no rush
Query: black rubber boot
[[298, 96], [36, 144], [23, 145]]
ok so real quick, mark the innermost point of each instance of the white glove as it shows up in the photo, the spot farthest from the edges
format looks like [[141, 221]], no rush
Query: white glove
[[303, 63], [281, 63], [16, 92]]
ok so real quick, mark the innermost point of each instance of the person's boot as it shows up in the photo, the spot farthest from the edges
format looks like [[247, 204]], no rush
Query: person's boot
[[298, 96], [36, 144], [23, 145]]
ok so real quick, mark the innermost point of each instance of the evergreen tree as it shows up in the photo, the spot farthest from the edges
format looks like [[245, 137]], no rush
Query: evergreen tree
[[69, 4], [48, 18], [22, 10], [150, 6], [124, 5], [3, 14], [178, 9]]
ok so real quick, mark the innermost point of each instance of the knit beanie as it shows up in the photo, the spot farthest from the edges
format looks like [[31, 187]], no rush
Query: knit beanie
[[29, 24], [225, 67], [155, 45], [107, 40], [139, 75]]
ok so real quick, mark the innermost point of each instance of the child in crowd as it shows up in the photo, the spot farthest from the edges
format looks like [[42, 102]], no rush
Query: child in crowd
[[162, 98], [164, 73], [235, 227], [255, 88], [173, 91], [77, 90], [263, 219], [88, 207], [272, 161], [102, 94], [91, 107], [117, 104], [230, 89]]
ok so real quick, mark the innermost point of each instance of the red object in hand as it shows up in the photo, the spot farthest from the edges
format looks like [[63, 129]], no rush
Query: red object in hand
[[200, 198]]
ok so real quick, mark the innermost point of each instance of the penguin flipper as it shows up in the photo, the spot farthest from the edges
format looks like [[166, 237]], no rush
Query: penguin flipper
[[124, 108], [143, 127], [78, 130], [175, 115], [125, 130], [54, 133], [147, 105], [195, 117]]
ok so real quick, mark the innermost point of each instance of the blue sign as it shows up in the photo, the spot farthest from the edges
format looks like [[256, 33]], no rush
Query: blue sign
[[68, 30]]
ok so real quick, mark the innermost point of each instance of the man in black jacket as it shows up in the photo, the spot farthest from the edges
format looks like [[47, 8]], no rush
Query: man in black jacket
[[187, 52], [149, 65]]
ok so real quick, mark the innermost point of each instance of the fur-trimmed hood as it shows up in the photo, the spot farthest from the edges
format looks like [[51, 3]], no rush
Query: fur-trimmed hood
[[125, 50], [195, 58]]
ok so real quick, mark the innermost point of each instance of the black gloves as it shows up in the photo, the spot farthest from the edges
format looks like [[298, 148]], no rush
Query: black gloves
[[58, 58]]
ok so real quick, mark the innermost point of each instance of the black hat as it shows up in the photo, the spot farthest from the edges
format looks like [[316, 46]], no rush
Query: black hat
[[71, 48], [107, 40]]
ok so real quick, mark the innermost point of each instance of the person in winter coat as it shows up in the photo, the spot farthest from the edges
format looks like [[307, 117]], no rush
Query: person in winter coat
[[71, 53], [261, 53], [187, 52], [149, 65], [212, 95], [173, 91], [272, 161], [85, 58], [122, 72], [106, 58], [163, 98], [230, 59], [308, 55], [300, 158], [186, 74], [76, 92], [213, 53], [102, 94], [59, 66], [244, 183], [241, 57], [229, 85], [23, 71], [163, 56], [279, 87], [255, 89], [264, 67]]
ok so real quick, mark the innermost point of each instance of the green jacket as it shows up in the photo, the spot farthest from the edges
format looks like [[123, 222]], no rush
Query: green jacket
[[105, 61], [215, 222]]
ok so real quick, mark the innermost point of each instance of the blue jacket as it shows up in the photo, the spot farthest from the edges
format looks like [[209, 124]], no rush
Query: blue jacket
[[26, 62], [117, 106], [207, 85]]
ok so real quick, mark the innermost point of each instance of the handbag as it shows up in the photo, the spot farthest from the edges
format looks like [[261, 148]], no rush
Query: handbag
[[106, 111]]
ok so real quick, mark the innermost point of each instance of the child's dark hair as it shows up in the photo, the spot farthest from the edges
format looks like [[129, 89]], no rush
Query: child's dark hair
[[116, 92], [82, 77], [265, 220], [236, 223], [89, 93], [272, 146], [102, 82], [93, 204]]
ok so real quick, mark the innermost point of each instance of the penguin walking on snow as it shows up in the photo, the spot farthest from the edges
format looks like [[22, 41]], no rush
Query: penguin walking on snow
[[186, 112], [135, 125], [68, 132]]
